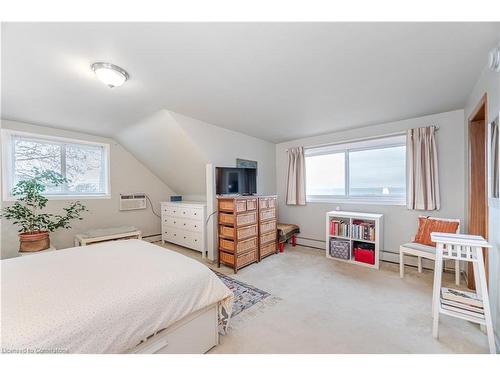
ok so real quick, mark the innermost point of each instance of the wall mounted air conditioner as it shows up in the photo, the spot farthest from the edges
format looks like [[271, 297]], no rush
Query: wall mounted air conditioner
[[135, 201]]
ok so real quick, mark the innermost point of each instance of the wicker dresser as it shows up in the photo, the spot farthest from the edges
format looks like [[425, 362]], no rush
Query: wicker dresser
[[268, 237], [238, 232], [247, 229]]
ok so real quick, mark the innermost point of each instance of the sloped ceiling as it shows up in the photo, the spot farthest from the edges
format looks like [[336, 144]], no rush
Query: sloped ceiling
[[163, 144], [272, 81], [275, 81], [177, 148]]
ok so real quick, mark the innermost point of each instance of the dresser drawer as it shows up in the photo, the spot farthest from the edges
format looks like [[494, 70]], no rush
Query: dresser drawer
[[267, 203], [194, 213], [238, 233], [263, 203], [194, 241], [170, 211], [225, 205], [267, 214], [237, 247], [241, 259], [240, 205], [186, 224], [183, 237], [237, 205], [246, 219], [183, 212], [268, 226], [268, 249], [267, 237], [251, 204], [227, 219]]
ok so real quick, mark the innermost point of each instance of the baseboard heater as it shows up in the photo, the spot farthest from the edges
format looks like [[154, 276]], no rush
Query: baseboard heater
[[385, 255]]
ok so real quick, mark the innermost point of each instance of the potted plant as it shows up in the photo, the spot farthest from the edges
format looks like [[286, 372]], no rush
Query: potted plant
[[35, 225]]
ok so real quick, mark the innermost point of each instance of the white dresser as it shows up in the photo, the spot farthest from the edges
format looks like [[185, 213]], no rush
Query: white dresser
[[183, 223]]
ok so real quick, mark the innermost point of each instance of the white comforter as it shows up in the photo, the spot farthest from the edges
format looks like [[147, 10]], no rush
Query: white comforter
[[102, 298]]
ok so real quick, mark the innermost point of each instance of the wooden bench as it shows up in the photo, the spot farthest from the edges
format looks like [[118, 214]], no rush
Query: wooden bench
[[107, 234], [287, 232]]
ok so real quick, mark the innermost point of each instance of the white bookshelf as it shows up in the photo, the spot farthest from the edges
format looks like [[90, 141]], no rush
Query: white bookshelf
[[349, 217]]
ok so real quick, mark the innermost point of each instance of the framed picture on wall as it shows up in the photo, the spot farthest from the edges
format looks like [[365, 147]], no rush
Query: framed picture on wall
[[242, 163], [494, 158]]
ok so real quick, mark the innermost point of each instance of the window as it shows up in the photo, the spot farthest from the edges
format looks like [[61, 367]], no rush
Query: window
[[372, 171], [321, 178], [84, 164]]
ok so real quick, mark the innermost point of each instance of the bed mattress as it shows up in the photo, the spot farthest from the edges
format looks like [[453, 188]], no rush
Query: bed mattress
[[103, 298]]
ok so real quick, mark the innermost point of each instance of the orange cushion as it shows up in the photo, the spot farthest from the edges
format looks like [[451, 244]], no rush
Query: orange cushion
[[426, 226], [422, 231]]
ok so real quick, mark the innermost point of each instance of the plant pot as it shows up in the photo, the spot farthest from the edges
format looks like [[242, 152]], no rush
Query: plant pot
[[30, 242]]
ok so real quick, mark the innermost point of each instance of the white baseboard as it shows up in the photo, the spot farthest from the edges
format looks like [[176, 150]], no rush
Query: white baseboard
[[309, 242], [152, 238], [385, 255]]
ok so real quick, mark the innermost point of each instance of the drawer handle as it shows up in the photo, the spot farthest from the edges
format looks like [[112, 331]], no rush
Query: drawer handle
[[184, 224], [196, 226], [195, 240], [184, 237], [175, 222], [195, 214], [175, 234], [183, 212]]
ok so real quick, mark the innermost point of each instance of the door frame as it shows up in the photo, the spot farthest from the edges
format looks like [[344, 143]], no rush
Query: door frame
[[480, 113]]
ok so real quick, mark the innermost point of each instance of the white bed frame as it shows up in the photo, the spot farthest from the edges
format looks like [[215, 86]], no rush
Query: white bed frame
[[196, 333]]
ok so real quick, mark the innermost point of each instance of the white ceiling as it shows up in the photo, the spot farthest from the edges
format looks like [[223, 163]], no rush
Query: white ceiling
[[276, 81]]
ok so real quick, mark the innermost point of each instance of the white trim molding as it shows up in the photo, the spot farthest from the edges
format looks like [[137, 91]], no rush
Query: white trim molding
[[345, 148], [7, 164]]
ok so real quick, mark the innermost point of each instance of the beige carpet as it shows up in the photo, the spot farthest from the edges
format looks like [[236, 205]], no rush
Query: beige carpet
[[322, 306]]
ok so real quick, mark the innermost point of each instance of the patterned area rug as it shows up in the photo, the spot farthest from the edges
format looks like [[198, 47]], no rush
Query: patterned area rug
[[245, 295]]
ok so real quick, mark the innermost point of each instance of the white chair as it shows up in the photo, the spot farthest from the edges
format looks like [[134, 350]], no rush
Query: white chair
[[466, 248], [425, 251]]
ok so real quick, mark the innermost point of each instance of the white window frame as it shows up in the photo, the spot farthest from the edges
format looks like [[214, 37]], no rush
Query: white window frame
[[8, 164], [394, 140]]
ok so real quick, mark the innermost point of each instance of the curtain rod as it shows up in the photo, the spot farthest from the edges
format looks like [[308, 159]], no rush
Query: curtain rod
[[401, 132]]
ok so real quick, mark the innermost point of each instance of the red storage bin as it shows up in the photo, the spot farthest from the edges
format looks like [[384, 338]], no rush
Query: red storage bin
[[364, 255]]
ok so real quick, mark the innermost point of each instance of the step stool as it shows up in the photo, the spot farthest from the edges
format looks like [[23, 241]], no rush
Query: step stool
[[467, 248]]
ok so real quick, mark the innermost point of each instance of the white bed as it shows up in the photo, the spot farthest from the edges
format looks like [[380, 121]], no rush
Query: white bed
[[109, 298]]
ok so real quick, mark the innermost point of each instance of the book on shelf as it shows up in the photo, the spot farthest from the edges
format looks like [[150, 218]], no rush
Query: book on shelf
[[461, 296], [339, 228], [363, 230]]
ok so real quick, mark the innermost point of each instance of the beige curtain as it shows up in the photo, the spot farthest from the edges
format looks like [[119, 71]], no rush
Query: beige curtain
[[422, 185], [296, 179]]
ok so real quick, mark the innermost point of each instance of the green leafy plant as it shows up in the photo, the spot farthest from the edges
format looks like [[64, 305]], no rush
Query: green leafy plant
[[27, 211]]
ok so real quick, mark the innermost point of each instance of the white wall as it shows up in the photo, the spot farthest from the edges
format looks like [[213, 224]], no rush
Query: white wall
[[177, 149], [399, 223], [489, 83], [127, 175]]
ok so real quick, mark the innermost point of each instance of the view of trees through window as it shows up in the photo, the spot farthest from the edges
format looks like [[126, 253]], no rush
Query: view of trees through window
[[83, 165]]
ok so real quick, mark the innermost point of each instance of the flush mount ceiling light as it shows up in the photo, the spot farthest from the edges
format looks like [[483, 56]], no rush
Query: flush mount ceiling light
[[109, 74]]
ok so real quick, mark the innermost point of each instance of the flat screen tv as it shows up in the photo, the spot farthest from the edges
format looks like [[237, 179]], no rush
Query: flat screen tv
[[236, 181]]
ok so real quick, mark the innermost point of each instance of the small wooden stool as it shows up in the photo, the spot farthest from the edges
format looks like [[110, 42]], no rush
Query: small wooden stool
[[468, 248]]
